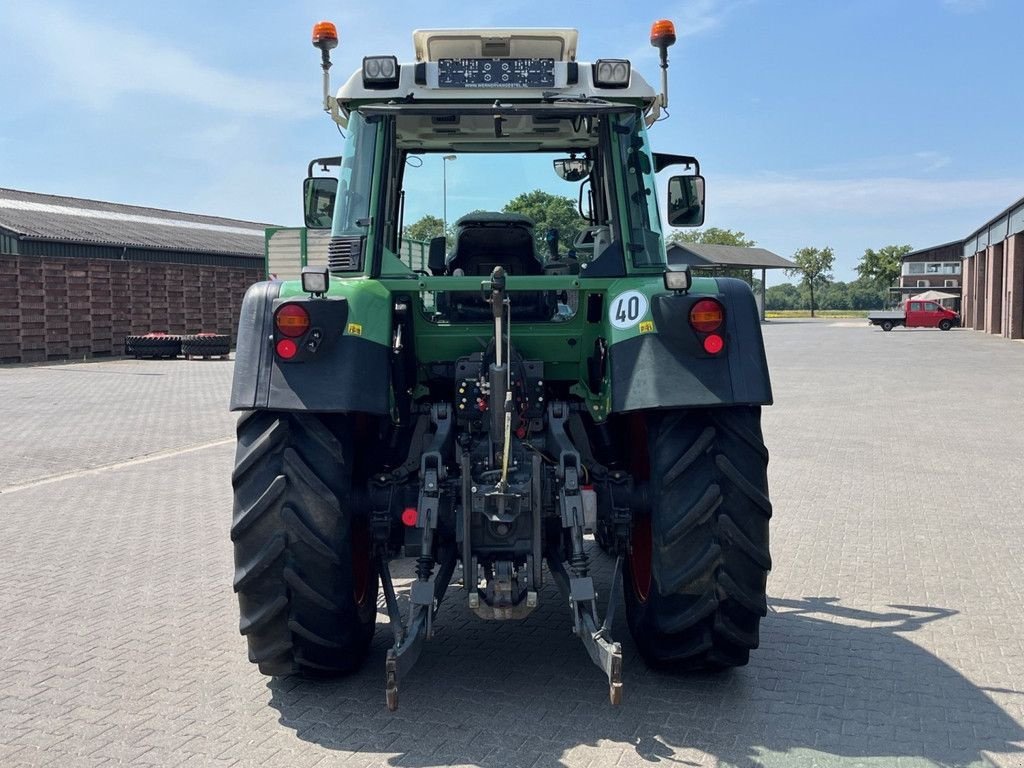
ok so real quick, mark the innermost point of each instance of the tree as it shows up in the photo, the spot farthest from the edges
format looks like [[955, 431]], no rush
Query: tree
[[548, 212], [882, 267], [814, 265], [711, 236], [782, 297], [425, 229]]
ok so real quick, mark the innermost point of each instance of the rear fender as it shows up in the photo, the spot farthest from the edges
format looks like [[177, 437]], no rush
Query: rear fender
[[668, 368], [337, 371]]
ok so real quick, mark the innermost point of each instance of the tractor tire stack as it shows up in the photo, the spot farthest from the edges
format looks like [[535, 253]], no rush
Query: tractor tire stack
[[157, 345], [205, 345]]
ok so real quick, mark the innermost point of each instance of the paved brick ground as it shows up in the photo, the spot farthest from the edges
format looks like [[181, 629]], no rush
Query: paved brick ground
[[896, 636]]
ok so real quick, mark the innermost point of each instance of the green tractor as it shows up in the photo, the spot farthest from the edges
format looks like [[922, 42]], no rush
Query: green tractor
[[488, 411]]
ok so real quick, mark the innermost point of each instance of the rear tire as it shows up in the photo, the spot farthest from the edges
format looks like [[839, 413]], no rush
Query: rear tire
[[306, 583], [697, 568], [887, 325]]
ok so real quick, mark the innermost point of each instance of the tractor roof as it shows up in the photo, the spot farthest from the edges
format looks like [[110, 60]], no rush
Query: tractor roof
[[421, 81], [435, 44]]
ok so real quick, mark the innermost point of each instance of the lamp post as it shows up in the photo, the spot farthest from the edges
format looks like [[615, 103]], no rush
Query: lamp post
[[444, 177]]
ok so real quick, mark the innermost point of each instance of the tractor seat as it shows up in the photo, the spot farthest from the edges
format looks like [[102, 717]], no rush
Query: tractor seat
[[483, 242]]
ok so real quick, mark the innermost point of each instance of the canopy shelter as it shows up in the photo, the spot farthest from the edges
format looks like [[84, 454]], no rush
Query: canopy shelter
[[700, 256], [934, 296]]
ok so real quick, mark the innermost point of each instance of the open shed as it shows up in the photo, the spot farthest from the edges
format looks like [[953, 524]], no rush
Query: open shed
[[712, 258]]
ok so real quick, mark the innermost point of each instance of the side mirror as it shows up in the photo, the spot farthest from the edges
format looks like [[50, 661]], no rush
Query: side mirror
[[436, 256], [318, 194], [572, 168], [686, 201]]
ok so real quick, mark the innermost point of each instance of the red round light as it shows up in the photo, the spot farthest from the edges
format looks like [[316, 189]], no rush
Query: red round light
[[409, 517], [292, 320], [706, 315], [713, 344], [287, 349]]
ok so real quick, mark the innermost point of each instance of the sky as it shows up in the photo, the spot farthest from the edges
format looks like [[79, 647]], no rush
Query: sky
[[852, 124]]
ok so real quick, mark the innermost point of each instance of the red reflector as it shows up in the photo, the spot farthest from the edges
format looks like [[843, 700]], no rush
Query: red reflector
[[286, 348], [409, 517], [706, 315], [713, 344], [292, 320]]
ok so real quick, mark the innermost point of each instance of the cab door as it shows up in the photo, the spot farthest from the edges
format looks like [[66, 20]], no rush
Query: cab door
[[915, 314], [931, 315]]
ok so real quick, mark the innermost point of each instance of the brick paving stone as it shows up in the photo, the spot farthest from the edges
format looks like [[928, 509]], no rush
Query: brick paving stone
[[895, 636]]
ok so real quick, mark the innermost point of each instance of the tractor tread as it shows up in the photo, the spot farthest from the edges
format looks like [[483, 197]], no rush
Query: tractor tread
[[710, 556], [732, 534], [293, 540], [684, 462], [730, 589], [261, 616], [759, 498], [300, 531], [299, 629], [697, 515], [698, 570], [272, 436], [245, 574], [306, 590], [244, 519]]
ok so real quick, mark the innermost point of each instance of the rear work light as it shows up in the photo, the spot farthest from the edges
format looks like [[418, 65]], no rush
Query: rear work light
[[707, 316], [678, 279], [611, 73], [380, 72], [292, 320]]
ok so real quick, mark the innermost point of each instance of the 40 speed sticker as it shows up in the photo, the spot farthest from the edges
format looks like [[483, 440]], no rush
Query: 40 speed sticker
[[626, 309]]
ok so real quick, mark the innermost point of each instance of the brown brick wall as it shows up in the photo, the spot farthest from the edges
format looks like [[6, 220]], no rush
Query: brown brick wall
[[56, 309]]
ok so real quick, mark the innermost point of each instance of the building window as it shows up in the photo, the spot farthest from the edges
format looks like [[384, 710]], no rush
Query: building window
[[931, 268], [923, 284]]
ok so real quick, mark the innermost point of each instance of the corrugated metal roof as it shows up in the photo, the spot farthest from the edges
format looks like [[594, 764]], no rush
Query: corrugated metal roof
[[930, 248], [35, 216], [703, 255]]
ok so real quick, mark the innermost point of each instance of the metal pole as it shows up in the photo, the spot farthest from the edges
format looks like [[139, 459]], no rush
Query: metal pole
[[763, 272], [444, 192]]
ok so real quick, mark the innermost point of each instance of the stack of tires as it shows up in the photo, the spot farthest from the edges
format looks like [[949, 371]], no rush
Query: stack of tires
[[205, 345], [156, 345], [169, 345]]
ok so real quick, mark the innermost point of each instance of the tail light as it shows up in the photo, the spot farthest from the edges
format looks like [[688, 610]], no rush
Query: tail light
[[713, 344], [287, 349], [707, 316], [292, 320]]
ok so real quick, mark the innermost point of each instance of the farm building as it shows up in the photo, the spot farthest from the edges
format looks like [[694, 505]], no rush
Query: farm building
[[993, 275], [79, 275]]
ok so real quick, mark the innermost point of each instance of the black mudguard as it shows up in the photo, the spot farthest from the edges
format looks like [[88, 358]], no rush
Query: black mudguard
[[345, 374], [670, 369]]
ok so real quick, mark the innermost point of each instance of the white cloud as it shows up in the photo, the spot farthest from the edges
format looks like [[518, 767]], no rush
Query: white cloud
[[699, 16], [883, 197], [98, 65]]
